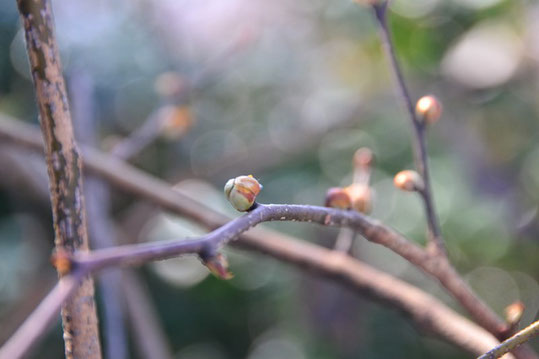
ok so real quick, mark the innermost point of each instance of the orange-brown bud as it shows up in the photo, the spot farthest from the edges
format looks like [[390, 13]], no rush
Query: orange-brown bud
[[408, 181], [337, 197], [175, 121], [61, 260], [360, 196], [428, 109], [218, 265], [241, 192], [513, 312], [363, 158]]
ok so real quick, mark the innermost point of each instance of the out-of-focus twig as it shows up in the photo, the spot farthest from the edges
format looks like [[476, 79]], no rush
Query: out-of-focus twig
[[129, 179], [79, 317], [100, 228], [511, 343], [148, 332], [41, 318]]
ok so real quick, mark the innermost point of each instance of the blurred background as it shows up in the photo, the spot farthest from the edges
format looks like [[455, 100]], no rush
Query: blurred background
[[196, 92]]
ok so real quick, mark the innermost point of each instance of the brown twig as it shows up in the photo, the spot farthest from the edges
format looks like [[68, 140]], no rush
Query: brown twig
[[509, 344], [436, 245], [425, 310], [64, 167], [129, 179]]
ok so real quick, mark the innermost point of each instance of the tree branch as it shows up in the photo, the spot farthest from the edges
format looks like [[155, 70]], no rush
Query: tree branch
[[64, 168], [509, 344], [426, 311], [436, 244], [129, 179]]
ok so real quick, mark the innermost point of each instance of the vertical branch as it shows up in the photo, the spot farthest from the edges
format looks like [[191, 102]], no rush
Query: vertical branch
[[100, 228], [64, 169], [436, 244]]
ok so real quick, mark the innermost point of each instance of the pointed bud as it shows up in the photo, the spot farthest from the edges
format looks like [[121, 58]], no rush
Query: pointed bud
[[363, 158], [218, 265], [513, 313], [337, 197], [241, 192], [428, 109], [61, 260], [361, 197], [408, 181]]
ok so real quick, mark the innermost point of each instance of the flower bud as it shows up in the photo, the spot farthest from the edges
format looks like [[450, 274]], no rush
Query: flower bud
[[61, 260], [360, 196], [241, 192], [363, 158], [337, 197], [218, 265], [513, 312], [408, 181], [428, 109], [175, 121]]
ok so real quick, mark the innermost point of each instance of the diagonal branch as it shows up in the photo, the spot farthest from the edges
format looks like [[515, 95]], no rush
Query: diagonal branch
[[64, 168], [129, 179], [511, 343], [34, 327], [427, 312]]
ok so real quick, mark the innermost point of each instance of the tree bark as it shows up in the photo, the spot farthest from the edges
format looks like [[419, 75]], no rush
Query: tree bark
[[64, 168]]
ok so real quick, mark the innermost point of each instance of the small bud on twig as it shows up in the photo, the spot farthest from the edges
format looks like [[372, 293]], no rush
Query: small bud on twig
[[360, 196], [175, 121], [408, 181], [363, 158], [61, 260], [428, 109], [513, 313], [337, 197], [218, 265], [241, 192]]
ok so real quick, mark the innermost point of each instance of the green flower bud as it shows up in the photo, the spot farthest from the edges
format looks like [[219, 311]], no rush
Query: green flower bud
[[241, 192]]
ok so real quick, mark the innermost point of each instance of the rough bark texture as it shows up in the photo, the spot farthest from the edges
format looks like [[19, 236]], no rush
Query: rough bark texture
[[64, 168]]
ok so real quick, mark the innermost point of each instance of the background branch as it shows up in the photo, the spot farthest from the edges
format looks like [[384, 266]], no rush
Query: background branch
[[426, 311], [129, 179]]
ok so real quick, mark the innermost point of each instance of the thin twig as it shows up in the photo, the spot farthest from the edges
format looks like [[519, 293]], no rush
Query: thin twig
[[149, 337], [436, 245], [41, 318], [129, 179], [79, 317], [509, 344], [100, 227]]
